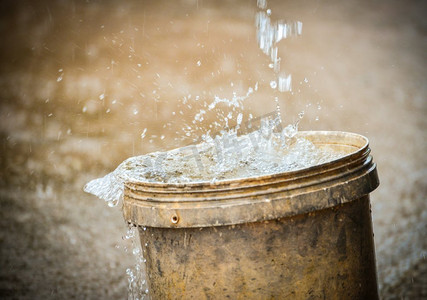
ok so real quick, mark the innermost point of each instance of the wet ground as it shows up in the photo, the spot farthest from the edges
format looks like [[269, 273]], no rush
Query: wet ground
[[80, 80]]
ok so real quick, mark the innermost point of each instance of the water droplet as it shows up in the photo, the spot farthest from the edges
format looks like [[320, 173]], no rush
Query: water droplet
[[290, 131], [101, 97], [269, 12], [285, 83], [305, 80], [143, 133], [239, 118], [59, 79], [84, 108], [273, 84], [199, 63], [113, 203], [135, 111]]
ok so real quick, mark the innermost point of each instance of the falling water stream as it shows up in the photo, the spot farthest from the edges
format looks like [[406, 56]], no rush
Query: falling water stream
[[245, 150]]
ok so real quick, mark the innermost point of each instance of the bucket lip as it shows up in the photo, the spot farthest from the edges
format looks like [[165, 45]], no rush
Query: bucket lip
[[256, 199], [362, 149]]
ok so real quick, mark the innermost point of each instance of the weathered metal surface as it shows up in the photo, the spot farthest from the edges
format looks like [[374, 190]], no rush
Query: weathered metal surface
[[298, 235], [327, 254]]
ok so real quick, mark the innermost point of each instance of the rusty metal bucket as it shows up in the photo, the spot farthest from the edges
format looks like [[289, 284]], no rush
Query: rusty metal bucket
[[305, 234]]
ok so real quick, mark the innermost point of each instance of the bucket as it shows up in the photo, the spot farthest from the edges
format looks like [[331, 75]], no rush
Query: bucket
[[304, 234]]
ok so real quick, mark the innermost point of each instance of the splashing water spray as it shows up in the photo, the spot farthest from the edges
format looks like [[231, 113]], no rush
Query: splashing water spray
[[268, 149]]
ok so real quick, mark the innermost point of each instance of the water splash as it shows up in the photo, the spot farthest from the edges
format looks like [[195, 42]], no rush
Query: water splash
[[137, 284], [269, 34], [221, 104], [267, 150], [108, 188]]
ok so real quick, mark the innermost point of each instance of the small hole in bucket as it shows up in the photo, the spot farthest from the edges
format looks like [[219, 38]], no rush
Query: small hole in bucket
[[174, 219]]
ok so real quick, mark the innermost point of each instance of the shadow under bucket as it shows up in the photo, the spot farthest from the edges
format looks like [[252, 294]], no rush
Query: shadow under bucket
[[305, 234]]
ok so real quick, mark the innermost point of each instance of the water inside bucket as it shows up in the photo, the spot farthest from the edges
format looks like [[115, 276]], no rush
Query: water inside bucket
[[228, 156]]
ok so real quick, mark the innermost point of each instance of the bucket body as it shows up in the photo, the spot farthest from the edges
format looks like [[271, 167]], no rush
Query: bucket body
[[305, 234]]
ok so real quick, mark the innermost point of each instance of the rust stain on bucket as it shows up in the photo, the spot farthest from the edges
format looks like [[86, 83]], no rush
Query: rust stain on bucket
[[304, 234]]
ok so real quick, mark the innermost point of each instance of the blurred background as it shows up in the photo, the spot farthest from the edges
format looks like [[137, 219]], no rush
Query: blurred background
[[87, 84]]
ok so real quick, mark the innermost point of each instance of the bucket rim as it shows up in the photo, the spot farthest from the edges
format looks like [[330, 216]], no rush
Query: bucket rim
[[362, 150], [262, 198]]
